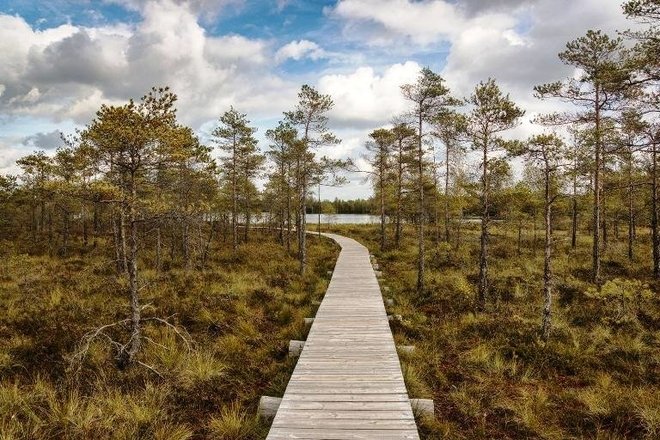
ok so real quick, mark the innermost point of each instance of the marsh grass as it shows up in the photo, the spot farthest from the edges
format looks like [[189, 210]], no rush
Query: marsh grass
[[239, 315], [491, 376]]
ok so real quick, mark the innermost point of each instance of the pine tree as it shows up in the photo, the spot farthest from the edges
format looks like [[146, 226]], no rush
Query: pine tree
[[429, 96], [548, 153], [236, 139], [404, 137], [597, 91], [449, 128], [491, 113], [380, 147], [310, 119]]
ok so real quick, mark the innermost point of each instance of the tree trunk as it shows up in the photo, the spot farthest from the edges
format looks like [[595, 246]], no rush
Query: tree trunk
[[133, 346], [207, 247], [631, 214], [234, 208], [547, 260], [574, 218], [50, 231], [420, 257], [436, 204], [399, 194], [65, 232], [381, 187], [281, 226], [482, 292], [84, 226], [246, 233], [122, 237], [117, 238], [96, 220], [302, 239], [447, 193], [574, 208], [655, 235], [288, 219], [605, 237], [616, 228], [283, 210], [597, 196]]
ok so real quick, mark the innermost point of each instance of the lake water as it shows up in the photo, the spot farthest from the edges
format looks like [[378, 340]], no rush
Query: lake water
[[342, 219]]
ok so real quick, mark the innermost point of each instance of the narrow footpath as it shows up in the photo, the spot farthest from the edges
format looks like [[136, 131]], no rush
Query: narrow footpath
[[347, 383]]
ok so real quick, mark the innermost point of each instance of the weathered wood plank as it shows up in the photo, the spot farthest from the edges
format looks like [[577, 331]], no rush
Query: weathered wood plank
[[347, 383], [340, 434], [357, 407], [321, 397]]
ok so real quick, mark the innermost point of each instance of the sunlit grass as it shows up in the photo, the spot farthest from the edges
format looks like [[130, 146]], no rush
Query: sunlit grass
[[233, 322], [490, 374]]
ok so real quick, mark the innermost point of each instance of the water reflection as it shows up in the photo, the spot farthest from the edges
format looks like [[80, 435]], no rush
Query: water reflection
[[342, 219]]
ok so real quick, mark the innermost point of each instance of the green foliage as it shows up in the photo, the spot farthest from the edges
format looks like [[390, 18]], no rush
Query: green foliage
[[622, 300]]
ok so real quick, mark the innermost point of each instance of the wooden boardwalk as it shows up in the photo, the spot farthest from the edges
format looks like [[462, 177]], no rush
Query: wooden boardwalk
[[347, 383]]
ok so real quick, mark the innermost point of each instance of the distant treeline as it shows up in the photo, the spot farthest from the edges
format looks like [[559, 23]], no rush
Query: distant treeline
[[337, 206]]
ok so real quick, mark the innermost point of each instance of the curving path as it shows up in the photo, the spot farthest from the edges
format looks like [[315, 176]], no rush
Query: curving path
[[347, 383]]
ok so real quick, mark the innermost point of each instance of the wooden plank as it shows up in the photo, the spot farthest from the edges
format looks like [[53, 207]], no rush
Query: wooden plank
[[344, 414], [357, 407], [347, 383], [340, 434], [348, 397], [298, 421]]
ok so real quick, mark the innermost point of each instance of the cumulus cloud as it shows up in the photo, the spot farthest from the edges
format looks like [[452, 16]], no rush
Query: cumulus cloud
[[297, 50], [10, 153], [364, 97], [373, 46], [383, 22], [68, 71], [514, 41], [472, 7], [530, 57], [44, 141]]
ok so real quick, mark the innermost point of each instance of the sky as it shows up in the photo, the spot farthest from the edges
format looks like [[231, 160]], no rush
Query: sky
[[62, 59]]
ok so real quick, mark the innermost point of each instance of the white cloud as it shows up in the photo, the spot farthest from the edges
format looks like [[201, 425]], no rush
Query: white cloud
[[67, 72], [365, 97], [234, 49], [297, 50], [10, 153], [514, 41], [423, 22], [384, 22]]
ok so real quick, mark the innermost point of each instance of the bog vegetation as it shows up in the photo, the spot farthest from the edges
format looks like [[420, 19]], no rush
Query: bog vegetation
[[138, 300], [141, 300]]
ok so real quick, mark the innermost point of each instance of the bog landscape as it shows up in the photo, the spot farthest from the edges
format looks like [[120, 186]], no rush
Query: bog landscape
[[485, 266]]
